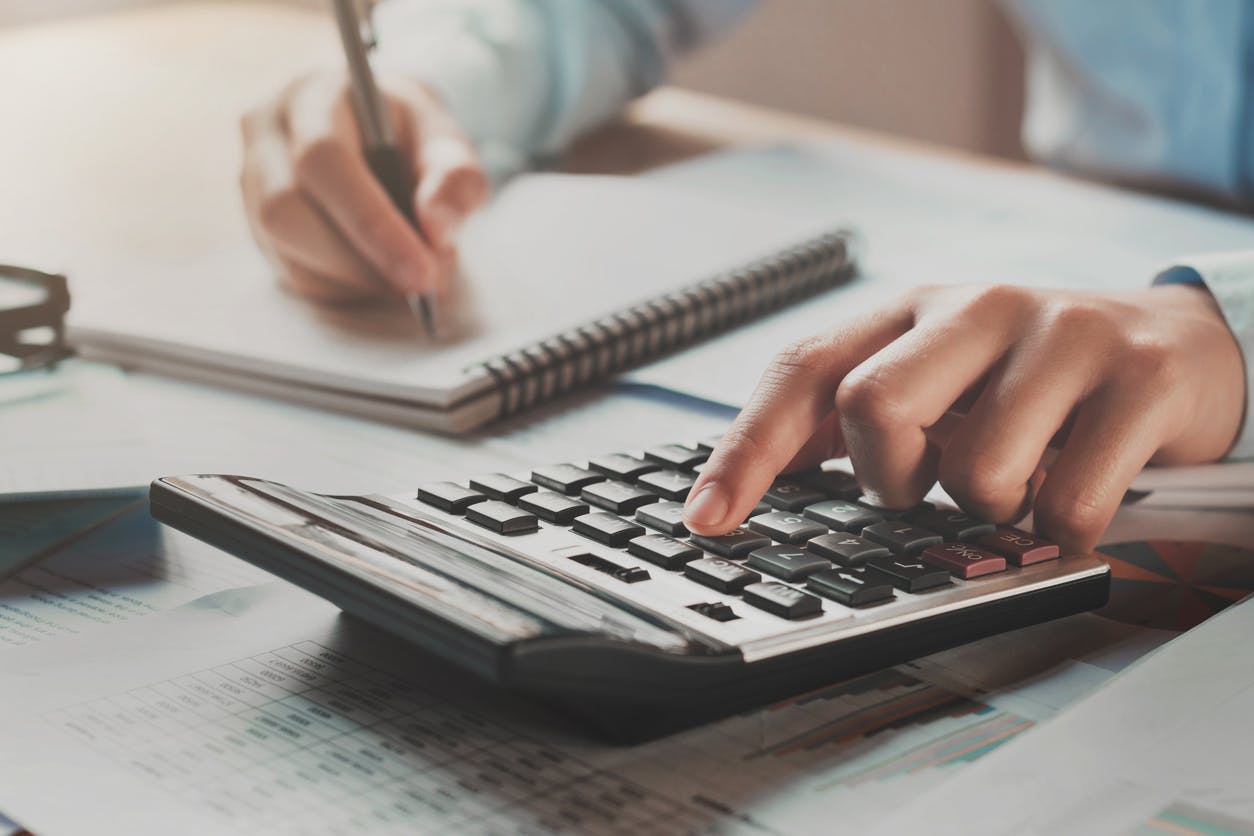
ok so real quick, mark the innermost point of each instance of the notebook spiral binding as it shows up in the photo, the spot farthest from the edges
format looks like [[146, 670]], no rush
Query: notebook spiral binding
[[646, 331]]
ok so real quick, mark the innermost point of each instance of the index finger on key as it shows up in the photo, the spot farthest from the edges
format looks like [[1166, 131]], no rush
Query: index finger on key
[[794, 397]]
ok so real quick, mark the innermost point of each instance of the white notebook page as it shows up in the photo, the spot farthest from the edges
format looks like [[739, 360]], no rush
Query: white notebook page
[[552, 252]]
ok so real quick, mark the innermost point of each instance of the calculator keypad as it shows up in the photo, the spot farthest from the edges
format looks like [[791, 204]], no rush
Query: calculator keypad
[[809, 552]]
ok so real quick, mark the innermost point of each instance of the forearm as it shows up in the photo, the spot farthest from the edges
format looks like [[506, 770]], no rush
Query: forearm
[[525, 77]]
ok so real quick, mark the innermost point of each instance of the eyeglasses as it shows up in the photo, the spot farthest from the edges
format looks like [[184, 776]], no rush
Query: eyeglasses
[[33, 305]]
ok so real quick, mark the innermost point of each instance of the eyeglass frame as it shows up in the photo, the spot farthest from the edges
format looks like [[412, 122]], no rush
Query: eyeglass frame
[[48, 313]]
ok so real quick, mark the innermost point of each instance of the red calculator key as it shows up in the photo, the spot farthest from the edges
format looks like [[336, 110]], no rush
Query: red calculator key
[[963, 560], [1019, 547]]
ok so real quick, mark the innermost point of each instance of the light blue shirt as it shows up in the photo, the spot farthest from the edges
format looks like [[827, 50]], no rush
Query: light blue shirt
[[1156, 92]]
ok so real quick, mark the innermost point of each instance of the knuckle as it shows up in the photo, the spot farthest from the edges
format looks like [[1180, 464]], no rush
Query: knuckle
[[919, 295], [1071, 516], [806, 357], [1078, 319], [868, 400], [1150, 362], [997, 300], [982, 484]]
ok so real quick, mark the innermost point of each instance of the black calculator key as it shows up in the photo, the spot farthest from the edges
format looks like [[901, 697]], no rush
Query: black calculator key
[[851, 587], [898, 513], [502, 517], [676, 455], [907, 573], [622, 466], [607, 528], [782, 600], [720, 574], [835, 484], [552, 506], [789, 563], [663, 551], [902, 537], [666, 517], [736, 543], [619, 497], [786, 527], [565, 478], [668, 484], [449, 496], [502, 487], [791, 496], [847, 549], [716, 610], [952, 524], [842, 515]]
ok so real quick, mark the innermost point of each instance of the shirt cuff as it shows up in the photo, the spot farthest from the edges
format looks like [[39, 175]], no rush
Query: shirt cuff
[[1230, 279]]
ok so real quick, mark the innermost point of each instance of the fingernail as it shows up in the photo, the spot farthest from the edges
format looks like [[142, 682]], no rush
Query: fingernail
[[708, 506]]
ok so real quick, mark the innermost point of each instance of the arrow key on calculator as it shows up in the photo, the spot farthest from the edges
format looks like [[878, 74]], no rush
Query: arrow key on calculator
[[851, 587]]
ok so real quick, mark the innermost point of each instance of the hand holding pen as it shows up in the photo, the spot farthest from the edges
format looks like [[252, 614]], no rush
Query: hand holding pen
[[314, 178]]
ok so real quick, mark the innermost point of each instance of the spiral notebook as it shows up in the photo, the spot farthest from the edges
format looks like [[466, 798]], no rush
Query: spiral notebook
[[565, 281]]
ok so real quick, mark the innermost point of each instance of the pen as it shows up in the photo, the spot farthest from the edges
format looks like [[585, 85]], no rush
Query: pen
[[383, 154]]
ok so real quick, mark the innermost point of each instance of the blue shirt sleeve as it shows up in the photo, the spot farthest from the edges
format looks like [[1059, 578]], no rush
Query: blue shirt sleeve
[[525, 77]]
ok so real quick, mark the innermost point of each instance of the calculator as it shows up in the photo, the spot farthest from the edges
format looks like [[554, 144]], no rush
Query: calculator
[[577, 583]]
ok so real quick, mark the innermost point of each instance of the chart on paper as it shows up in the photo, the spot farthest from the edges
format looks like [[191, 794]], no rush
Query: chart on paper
[[303, 738], [110, 568]]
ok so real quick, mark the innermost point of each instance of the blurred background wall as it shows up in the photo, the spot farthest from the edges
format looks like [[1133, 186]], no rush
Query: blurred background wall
[[947, 71]]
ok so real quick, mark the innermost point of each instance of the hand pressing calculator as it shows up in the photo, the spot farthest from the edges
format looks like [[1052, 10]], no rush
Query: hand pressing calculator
[[577, 583]]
